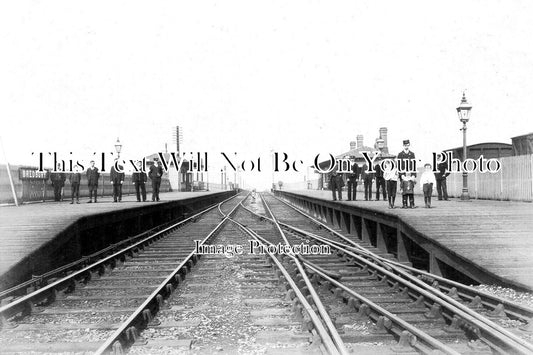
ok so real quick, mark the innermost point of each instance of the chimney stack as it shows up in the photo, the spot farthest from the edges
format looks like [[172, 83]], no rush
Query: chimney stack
[[359, 141], [383, 135], [353, 145]]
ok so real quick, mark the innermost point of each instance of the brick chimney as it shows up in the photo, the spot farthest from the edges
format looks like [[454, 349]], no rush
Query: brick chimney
[[359, 141], [353, 145], [383, 135]]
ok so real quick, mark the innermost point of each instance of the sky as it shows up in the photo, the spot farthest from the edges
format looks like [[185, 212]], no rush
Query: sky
[[251, 77]]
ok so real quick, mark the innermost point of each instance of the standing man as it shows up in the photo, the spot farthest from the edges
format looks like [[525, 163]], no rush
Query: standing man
[[117, 179], [441, 176], [156, 171], [380, 182], [92, 180], [139, 179], [58, 181], [75, 179], [352, 182], [334, 185], [405, 157], [367, 177]]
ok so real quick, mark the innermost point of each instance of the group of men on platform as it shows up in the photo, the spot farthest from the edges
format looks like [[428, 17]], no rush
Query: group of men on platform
[[387, 179], [139, 179]]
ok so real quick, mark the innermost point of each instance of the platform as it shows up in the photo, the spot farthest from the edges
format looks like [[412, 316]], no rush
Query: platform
[[492, 237], [31, 233]]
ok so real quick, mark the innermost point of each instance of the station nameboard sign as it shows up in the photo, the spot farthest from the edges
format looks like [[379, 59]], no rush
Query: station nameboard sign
[[32, 174]]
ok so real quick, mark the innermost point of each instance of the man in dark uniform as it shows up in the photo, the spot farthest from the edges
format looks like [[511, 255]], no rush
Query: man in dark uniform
[[404, 157], [58, 181], [156, 171], [117, 179], [380, 182], [367, 177], [335, 185], [352, 182], [92, 180], [139, 179], [441, 176], [75, 179]]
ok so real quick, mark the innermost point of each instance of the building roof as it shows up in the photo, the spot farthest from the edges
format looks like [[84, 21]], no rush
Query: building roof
[[523, 135], [486, 144]]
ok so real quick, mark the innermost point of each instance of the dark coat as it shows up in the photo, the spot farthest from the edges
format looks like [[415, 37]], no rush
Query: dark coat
[[365, 174], [340, 181], [155, 172], [404, 162], [92, 176], [74, 178], [354, 175], [442, 173], [333, 182], [58, 179], [139, 177], [116, 177], [379, 171]]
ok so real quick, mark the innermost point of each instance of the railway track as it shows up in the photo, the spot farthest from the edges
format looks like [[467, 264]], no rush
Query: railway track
[[158, 295], [77, 313], [372, 291]]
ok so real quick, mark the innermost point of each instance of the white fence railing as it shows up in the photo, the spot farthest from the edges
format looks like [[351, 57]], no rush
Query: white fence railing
[[513, 182]]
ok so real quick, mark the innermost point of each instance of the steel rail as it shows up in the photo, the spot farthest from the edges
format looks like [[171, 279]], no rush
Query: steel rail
[[378, 309], [322, 331], [37, 279], [518, 311], [519, 345], [516, 343], [119, 339], [25, 303], [321, 309], [425, 286]]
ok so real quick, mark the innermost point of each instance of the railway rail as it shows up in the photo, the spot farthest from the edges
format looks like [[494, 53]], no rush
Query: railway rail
[[104, 293], [438, 307], [158, 295]]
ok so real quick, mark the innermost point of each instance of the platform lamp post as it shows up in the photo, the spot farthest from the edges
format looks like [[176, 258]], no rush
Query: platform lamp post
[[463, 111], [118, 147]]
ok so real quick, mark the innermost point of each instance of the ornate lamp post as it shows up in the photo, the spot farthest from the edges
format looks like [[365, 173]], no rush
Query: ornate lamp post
[[463, 111], [118, 148]]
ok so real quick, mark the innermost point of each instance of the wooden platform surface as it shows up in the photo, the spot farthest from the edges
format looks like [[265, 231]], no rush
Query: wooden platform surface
[[495, 235], [26, 228]]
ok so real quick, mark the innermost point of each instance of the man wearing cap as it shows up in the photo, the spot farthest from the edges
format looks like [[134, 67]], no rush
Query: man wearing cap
[[440, 177], [367, 177], [352, 182], [139, 178], [92, 180], [155, 173], [404, 165], [404, 160], [117, 179], [75, 179], [58, 181], [334, 185]]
